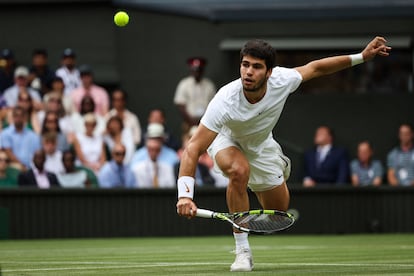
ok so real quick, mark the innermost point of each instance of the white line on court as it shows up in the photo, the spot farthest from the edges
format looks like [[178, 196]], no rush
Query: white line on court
[[178, 264]]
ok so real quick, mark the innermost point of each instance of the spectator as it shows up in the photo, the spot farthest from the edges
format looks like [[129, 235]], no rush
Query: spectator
[[89, 88], [64, 125], [41, 76], [51, 124], [115, 174], [167, 155], [116, 133], [152, 172], [77, 118], [157, 116], [202, 175], [21, 81], [7, 67], [19, 141], [58, 87], [118, 99], [53, 161], [89, 147], [364, 170], [325, 163], [68, 71], [25, 101], [74, 176], [8, 174], [37, 176], [400, 160], [193, 93]]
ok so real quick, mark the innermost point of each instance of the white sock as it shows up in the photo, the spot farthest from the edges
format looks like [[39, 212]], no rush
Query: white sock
[[242, 241]]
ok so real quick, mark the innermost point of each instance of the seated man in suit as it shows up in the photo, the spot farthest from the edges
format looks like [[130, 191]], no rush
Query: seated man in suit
[[325, 163], [37, 176]]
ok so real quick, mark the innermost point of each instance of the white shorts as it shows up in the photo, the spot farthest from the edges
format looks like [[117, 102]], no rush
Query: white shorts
[[268, 168]]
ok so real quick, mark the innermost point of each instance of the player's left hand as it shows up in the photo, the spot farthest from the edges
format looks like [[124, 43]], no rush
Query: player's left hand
[[376, 47], [186, 207]]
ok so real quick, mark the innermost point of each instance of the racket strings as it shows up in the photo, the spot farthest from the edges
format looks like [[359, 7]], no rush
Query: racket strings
[[264, 222]]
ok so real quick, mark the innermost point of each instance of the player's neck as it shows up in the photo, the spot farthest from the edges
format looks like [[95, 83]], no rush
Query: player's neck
[[256, 96]]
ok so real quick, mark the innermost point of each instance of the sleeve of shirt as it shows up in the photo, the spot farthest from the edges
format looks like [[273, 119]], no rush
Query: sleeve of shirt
[[102, 176], [378, 169], [180, 93], [391, 160], [215, 117], [6, 141], [130, 179], [354, 167], [289, 78]]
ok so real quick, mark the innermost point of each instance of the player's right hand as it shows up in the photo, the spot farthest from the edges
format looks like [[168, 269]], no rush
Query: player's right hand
[[186, 207]]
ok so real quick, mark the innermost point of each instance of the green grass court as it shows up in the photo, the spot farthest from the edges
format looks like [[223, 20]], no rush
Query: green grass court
[[391, 254]]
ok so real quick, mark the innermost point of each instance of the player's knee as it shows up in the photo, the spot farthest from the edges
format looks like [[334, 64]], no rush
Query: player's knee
[[239, 173]]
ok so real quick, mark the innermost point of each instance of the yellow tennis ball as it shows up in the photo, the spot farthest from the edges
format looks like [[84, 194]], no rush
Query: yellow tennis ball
[[121, 19]]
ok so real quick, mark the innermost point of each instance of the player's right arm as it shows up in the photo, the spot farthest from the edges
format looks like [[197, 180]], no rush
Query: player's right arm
[[197, 145]]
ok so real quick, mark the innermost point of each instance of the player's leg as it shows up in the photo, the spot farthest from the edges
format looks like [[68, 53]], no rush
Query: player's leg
[[234, 164], [276, 198]]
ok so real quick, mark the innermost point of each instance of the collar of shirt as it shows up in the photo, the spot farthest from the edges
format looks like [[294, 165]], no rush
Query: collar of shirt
[[323, 150], [41, 178]]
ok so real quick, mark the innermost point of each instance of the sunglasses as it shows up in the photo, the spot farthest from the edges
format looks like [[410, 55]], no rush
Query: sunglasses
[[119, 153], [4, 160]]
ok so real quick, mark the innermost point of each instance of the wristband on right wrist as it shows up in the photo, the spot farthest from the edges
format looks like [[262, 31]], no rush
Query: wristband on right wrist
[[185, 186]]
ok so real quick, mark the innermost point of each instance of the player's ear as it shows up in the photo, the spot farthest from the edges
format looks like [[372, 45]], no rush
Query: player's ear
[[269, 72]]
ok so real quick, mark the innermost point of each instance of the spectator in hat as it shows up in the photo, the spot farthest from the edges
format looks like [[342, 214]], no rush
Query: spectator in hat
[[193, 93], [21, 81], [89, 88], [157, 115], [68, 71], [89, 147], [40, 75], [166, 155], [7, 66]]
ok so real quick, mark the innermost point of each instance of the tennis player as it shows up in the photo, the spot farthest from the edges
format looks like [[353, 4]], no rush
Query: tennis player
[[236, 130]]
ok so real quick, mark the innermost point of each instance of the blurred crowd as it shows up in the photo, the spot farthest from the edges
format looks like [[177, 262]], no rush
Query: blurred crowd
[[329, 164], [61, 129]]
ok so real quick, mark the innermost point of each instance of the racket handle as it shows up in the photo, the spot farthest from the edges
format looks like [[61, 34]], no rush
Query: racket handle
[[203, 213]]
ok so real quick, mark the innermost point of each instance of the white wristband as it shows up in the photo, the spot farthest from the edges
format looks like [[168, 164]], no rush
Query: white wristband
[[185, 186], [356, 59]]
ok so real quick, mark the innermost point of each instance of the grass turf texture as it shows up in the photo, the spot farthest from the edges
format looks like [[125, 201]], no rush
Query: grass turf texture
[[276, 254]]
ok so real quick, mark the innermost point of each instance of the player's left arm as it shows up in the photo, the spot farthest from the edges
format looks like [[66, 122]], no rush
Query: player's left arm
[[334, 64]]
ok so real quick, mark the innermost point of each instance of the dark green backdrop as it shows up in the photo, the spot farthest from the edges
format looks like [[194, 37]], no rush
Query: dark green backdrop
[[148, 56]]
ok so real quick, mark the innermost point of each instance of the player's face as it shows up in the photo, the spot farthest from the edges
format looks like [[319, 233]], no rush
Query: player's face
[[254, 74]]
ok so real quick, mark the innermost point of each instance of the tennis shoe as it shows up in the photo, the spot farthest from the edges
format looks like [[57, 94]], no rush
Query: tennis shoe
[[243, 261]]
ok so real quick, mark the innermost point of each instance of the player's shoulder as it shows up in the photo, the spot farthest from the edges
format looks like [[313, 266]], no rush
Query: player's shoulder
[[282, 74], [230, 89]]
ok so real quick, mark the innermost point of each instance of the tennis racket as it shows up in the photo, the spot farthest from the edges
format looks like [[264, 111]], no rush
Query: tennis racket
[[254, 222]]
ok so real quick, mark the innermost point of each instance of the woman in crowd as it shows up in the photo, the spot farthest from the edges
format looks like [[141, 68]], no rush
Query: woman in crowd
[[90, 147]]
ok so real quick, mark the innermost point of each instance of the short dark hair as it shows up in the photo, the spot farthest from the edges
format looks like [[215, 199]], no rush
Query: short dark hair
[[259, 49], [39, 51]]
